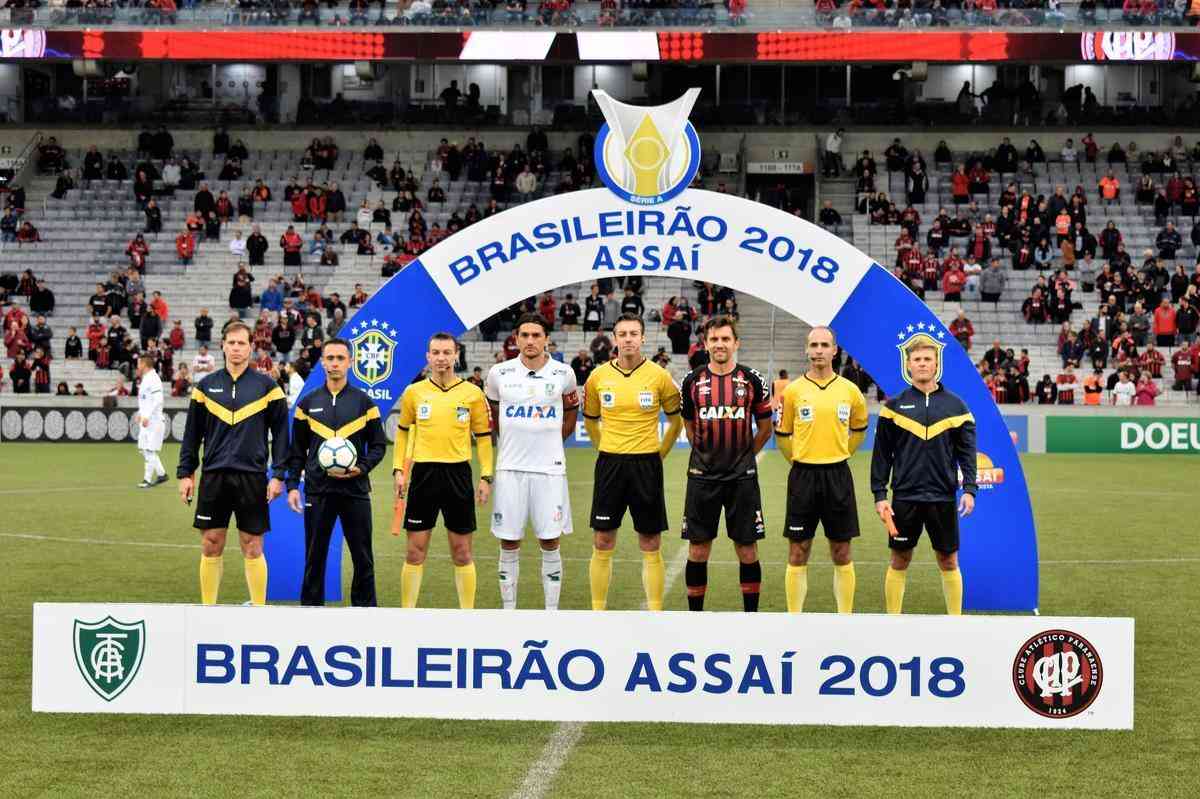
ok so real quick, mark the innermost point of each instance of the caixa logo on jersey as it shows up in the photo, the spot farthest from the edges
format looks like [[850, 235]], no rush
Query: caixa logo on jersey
[[1057, 674], [374, 346], [647, 154]]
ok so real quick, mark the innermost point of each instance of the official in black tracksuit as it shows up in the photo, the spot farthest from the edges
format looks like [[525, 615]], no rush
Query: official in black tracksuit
[[924, 438], [340, 410], [237, 415]]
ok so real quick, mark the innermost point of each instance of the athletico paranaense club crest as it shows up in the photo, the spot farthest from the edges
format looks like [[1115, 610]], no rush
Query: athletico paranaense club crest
[[1057, 674], [109, 654]]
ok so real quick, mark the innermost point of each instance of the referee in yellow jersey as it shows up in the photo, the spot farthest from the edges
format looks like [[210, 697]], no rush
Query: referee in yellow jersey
[[822, 420], [443, 411], [622, 401]]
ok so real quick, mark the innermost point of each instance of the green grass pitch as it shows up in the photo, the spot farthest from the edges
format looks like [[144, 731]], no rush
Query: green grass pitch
[[1118, 537]]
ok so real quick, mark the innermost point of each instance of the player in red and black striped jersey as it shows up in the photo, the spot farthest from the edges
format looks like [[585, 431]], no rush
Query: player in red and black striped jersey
[[727, 413]]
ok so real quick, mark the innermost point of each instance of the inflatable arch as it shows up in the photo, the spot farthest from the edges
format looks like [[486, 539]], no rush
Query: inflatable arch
[[696, 235]]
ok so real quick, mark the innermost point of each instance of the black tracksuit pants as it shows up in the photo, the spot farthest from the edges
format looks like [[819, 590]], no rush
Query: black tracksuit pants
[[321, 511]]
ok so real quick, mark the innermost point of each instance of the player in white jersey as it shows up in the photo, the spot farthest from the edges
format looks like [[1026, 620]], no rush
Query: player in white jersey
[[151, 424], [535, 401]]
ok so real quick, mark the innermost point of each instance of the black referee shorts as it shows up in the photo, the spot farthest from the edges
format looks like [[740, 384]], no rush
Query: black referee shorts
[[821, 493], [224, 493], [742, 504], [633, 483], [443, 488], [939, 518]]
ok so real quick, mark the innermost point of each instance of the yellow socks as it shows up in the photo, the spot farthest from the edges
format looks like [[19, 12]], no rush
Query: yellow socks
[[952, 589], [893, 589], [796, 587], [256, 579], [843, 587], [210, 578], [464, 584], [410, 584], [654, 579], [600, 575]]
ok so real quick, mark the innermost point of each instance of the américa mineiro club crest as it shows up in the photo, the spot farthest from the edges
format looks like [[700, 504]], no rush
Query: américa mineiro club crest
[[109, 653], [374, 345]]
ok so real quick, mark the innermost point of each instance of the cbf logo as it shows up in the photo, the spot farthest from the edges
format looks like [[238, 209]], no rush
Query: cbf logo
[[647, 154], [1057, 674], [925, 333], [109, 654], [374, 345]]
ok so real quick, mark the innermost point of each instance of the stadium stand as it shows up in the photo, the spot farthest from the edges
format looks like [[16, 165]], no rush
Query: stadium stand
[[97, 233], [87, 232], [892, 208]]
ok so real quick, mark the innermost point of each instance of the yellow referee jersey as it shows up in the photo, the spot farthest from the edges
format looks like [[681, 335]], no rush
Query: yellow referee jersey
[[444, 419], [627, 405], [826, 421]]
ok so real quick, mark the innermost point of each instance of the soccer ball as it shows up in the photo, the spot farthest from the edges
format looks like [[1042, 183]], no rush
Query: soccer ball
[[337, 455]]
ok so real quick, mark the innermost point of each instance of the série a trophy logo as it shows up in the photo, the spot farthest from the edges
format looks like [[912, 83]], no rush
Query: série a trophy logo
[[647, 154]]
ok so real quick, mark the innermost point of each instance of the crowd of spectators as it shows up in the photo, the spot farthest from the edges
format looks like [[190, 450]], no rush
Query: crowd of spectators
[[911, 14], [457, 13], [1147, 308]]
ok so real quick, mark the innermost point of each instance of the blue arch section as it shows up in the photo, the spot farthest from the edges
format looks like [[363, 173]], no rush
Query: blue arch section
[[998, 554]]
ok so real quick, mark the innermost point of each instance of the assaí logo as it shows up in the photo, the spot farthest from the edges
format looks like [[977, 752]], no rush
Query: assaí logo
[[647, 154], [987, 474]]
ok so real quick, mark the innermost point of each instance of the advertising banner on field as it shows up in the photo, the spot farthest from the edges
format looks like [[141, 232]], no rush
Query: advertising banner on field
[[647, 221], [727, 668], [1156, 435]]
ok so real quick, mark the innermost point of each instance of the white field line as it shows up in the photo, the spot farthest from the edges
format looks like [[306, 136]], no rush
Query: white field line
[[554, 754], [672, 569]]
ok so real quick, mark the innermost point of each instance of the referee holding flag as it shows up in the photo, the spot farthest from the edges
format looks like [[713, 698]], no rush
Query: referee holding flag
[[335, 410], [925, 436]]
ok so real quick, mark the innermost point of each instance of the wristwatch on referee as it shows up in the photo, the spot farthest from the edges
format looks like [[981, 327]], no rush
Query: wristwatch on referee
[[487, 478]]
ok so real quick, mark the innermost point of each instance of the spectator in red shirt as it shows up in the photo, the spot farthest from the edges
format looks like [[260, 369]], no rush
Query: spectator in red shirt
[[138, 250], [176, 337], [962, 329], [159, 305], [185, 246], [978, 179], [1146, 391], [300, 207], [548, 307], [952, 283], [960, 185], [1164, 324], [95, 336], [28, 234], [291, 243], [262, 360], [1152, 361], [1181, 362], [1066, 385]]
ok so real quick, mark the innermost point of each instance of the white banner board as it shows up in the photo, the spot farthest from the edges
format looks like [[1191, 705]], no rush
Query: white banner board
[[769, 668]]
